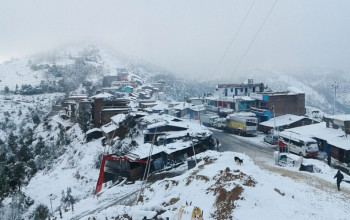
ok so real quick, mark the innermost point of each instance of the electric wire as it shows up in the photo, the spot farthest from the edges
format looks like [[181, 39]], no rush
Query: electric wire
[[234, 37], [256, 34]]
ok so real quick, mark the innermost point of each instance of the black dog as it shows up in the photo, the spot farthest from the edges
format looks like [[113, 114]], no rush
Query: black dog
[[238, 160]]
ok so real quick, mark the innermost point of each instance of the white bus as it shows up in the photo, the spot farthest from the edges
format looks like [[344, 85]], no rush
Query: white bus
[[298, 144]]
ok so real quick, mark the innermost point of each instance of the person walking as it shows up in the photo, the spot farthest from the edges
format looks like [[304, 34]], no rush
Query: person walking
[[340, 178]]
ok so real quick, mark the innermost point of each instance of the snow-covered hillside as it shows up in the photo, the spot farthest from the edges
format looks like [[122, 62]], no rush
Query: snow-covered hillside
[[17, 111], [316, 84], [218, 186], [49, 66]]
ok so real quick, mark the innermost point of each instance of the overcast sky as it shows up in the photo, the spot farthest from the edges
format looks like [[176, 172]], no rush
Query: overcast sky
[[187, 37]]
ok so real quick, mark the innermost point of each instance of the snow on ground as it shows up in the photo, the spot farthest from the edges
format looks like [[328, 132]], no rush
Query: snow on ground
[[75, 169], [20, 70], [226, 190], [16, 110]]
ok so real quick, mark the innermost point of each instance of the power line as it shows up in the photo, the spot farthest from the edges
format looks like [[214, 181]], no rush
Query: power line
[[234, 37], [257, 33]]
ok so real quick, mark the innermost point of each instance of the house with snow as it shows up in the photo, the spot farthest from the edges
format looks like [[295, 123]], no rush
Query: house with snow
[[94, 133], [73, 104], [331, 138], [167, 140], [196, 111], [284, 122], [115, 128], [145, 104]]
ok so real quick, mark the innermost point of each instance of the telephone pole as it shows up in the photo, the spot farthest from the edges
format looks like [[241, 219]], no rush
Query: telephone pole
[[334, 86]]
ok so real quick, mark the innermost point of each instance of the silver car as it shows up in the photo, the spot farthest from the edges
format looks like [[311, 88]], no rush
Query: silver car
[[271, 139]]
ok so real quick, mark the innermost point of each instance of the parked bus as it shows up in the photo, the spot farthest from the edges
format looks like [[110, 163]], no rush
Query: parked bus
[[243, 123], [298, 144]]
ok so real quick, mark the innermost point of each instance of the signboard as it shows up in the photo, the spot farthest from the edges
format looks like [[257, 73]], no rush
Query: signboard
[[256, 96]]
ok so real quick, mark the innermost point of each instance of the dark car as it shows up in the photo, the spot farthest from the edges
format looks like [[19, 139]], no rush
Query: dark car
[[271, 139]]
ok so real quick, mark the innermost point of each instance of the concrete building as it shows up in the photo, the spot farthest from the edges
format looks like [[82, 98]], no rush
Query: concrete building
[[104, 110], [243, 89], [280, 103]]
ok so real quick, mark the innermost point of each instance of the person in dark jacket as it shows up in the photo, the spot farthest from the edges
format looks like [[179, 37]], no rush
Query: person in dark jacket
[[340, 178]]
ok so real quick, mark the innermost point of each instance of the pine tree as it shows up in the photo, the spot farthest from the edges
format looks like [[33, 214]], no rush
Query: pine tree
[[84, 119], [6, 90], [41, 212], [39, 147], [11, 143], [28, 136], [36, 119], [24, 153]]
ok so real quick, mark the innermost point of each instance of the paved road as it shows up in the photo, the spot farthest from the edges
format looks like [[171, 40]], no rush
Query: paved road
[[231, 142]]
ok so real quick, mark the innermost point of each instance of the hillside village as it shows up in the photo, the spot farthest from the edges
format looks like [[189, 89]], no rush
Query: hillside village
[[134, 135], [124, 95]]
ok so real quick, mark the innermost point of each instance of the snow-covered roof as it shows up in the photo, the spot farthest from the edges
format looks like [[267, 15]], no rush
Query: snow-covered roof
[[102, 95], [93, 130], [109, 127], [197, 108], [81, 96], [193, 129], [143, 151], [160, 106], [335, 137], [339, 117], [114, 109], [158, 124], [282, 120], [243, 114], [298, 136], [229, 99], [295, 90], [183, 106], [118, 118]]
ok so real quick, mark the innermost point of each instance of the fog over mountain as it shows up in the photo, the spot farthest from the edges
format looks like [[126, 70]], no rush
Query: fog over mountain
[[196, 39]]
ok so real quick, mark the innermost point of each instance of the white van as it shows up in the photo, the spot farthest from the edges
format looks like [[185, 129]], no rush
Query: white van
[[298, 144]]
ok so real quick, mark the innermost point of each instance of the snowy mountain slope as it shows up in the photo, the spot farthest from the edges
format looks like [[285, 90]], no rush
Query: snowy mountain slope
[[17, 111], [17, 72], [317, 85], [33, 69]]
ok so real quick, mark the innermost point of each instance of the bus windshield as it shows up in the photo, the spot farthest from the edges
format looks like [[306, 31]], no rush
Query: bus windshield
[[251, 123]]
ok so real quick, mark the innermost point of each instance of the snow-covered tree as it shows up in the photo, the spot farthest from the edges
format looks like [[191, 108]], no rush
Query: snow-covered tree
[[41, 212]]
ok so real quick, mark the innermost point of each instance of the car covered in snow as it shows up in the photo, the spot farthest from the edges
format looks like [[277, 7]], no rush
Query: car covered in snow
[[271, 139]]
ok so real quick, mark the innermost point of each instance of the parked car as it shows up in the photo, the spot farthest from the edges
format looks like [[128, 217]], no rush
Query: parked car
[[271, 139]]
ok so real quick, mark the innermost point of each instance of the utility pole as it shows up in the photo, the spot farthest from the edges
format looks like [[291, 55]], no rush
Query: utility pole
[[274, 119], [194, 152], [334, 86]]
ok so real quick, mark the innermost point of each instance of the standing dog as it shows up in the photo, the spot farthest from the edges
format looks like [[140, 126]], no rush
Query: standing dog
[[238, 160]]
